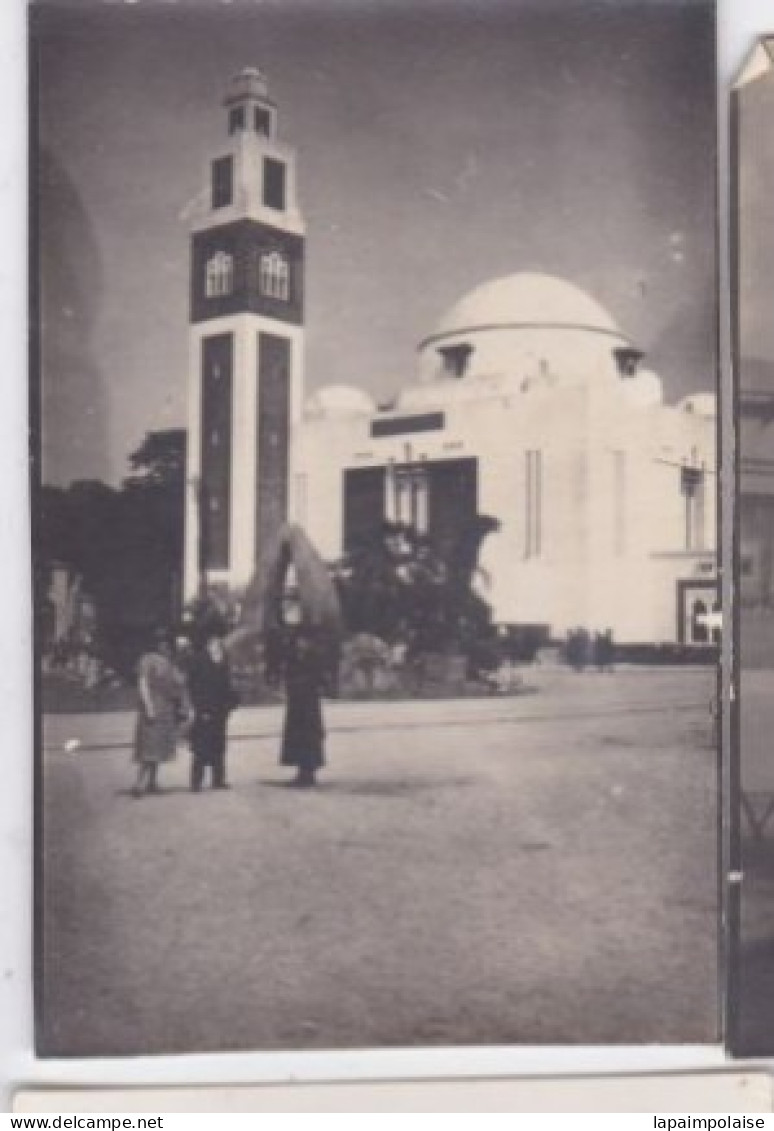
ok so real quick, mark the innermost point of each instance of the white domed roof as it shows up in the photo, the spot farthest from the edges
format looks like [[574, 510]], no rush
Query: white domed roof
[[525, 299], [339, 400]]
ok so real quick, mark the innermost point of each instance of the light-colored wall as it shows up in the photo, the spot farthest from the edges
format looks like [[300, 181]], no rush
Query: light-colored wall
[[549, 585], [588, 572], [248, 151]]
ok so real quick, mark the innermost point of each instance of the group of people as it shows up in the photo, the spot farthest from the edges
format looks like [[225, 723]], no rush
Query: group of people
[[191, 698], [582, 649]]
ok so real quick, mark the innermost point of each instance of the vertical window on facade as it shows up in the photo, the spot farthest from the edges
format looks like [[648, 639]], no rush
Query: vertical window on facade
[[273, 428], [215, 487], [619, 503], [692, 489], [219, 275], [533, 517], [420, 504], [262, 121], [274, 276], [236, 119], [274, 183], [222, 173], [409, 503]]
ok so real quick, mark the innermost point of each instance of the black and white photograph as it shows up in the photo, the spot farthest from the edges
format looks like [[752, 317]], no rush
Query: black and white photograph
[[753, 177], [377, 601]]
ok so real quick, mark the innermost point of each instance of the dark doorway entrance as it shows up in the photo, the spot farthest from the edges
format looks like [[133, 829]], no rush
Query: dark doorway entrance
[[439, 499], [364, 512], [452, 500]]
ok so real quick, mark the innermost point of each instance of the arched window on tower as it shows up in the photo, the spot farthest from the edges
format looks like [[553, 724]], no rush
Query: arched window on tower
[[219, 275], [274, 276]]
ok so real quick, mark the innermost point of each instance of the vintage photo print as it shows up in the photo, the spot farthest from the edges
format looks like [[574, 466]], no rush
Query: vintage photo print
[[753, 180], [375, 524]]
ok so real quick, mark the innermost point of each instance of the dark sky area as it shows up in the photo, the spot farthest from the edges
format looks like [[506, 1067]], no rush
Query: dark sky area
[[440, 145]]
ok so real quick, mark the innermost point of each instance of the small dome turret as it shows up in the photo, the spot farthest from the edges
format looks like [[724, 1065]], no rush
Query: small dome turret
[[339, 401], [248, 104], [247, 83]]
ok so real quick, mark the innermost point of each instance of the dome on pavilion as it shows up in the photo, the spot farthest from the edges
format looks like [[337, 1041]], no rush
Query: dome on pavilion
[[524, 300]]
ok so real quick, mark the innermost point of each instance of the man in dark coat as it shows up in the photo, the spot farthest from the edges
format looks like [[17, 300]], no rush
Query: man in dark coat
[[213, 699]]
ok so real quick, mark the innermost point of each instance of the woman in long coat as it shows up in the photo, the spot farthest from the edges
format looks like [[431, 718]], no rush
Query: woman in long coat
[[292, 603], [298, 659], [161, 707]]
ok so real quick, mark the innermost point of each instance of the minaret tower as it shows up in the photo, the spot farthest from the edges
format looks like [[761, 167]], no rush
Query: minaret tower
[[246, 342]]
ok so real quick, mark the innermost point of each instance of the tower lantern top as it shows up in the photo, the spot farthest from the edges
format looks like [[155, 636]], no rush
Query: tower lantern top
[[247, 83], [248, 104]]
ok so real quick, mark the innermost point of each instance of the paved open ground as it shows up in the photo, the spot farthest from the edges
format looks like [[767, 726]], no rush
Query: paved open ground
[[533, 869]]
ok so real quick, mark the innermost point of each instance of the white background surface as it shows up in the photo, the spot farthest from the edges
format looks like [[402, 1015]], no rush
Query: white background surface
[[719, 1092], [739, 21]]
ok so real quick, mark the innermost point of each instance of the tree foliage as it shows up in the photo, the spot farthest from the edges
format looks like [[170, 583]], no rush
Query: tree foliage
[[398, 585], [125, 543]]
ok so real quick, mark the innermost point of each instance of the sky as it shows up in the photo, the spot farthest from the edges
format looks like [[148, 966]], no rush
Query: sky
[[439, 145]]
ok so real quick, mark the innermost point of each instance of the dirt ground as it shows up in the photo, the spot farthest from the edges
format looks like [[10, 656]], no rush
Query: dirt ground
[[527, 870]]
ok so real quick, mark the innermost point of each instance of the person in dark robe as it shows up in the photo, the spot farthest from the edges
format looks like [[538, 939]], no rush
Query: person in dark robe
[[213, 698], [298, 660]]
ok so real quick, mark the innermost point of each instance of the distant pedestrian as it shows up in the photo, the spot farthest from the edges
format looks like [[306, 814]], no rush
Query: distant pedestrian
[[577, 649], [297, 659], [162, 704], [604, 650], [213, 698]]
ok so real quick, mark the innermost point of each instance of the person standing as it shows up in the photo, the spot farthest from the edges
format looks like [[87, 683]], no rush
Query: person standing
[[299, 663], [161, 707], [213, 698], [604, 650]]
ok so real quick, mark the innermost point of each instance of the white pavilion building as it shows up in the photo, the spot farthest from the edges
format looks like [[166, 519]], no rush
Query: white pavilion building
[[529, 405]]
